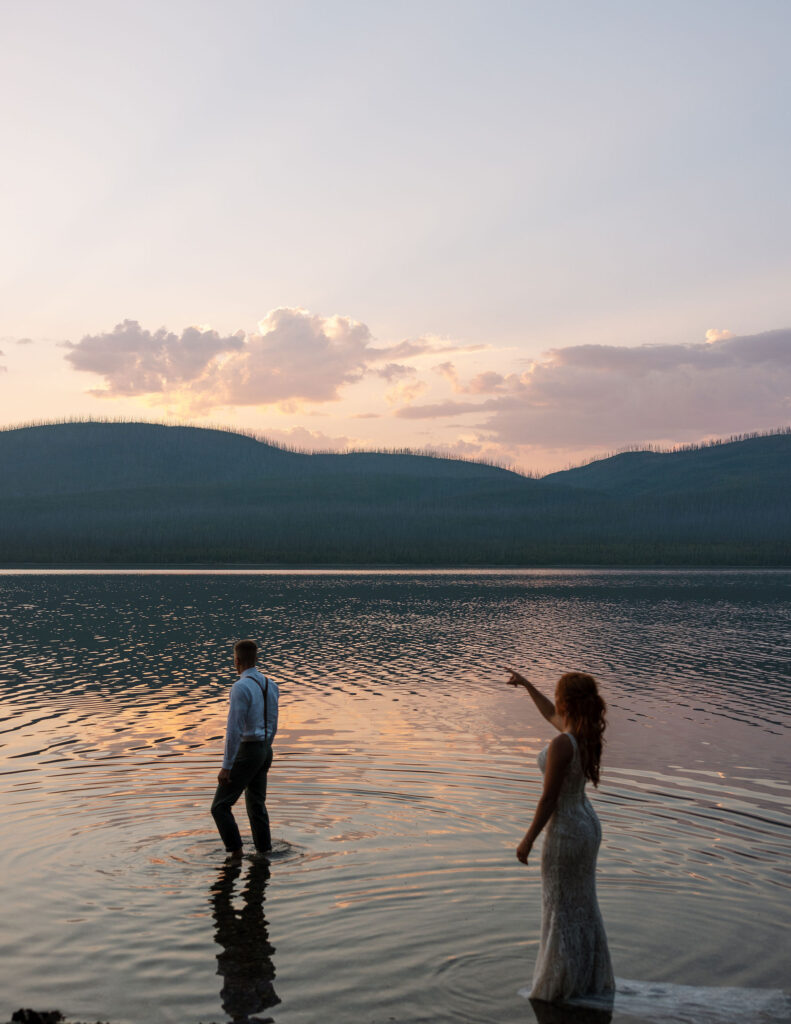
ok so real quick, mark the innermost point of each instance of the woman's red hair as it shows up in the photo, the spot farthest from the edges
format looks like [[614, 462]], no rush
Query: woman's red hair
[[577, 698]]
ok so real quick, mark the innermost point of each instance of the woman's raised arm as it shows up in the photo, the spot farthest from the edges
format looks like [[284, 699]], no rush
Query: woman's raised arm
[[544, 704]]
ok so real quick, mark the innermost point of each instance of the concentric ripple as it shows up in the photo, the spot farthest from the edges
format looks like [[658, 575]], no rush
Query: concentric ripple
[[404, 775]]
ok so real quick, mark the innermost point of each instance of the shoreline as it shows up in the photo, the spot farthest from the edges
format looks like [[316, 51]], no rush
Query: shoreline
[[379, 567]]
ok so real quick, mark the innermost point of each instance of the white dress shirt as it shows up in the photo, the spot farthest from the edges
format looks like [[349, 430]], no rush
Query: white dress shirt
[[246, 712]]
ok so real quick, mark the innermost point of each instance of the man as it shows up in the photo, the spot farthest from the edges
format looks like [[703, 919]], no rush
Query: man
[[252, 724]]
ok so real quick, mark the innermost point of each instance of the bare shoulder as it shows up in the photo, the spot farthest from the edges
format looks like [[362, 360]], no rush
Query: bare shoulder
[[561, 749]]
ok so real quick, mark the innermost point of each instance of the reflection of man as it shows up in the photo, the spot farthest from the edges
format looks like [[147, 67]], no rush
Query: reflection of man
[[252, 724], [245, 962], [564, 1013]]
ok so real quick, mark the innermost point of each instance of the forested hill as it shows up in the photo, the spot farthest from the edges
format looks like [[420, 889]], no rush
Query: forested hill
[[762, 462], [134, 493]]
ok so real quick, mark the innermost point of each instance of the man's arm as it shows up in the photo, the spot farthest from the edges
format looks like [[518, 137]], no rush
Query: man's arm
[[239, 704]]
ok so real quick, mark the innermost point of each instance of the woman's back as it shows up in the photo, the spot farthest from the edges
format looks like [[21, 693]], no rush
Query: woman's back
[[573, 957], [572, 792]]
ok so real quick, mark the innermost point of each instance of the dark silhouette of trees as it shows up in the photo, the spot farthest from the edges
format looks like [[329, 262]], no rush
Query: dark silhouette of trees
[[133, 493]]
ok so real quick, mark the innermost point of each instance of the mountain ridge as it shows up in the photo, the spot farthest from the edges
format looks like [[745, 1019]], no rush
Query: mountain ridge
[[131, 493]]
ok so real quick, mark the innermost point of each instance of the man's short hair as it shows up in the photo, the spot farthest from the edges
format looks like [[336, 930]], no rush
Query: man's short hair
[[246, 652]]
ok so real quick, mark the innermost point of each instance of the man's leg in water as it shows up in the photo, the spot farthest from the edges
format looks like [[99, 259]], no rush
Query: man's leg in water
[[245, 766], [255, 799]]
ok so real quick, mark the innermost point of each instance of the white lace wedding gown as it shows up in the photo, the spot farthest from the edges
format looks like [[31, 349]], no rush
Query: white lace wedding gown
[[573, 959]]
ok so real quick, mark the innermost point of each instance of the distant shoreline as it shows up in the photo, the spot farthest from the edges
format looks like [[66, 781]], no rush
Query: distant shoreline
[[228, 567]]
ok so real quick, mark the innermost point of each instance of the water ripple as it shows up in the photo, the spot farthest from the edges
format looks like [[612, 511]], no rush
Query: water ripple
[[404, 774]]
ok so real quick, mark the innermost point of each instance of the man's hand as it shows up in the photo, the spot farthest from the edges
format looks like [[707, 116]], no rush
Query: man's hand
[[523, 851], [516, 679], [224, 777]]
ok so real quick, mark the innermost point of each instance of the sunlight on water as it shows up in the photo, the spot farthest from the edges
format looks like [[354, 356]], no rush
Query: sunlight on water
[[404, 775]]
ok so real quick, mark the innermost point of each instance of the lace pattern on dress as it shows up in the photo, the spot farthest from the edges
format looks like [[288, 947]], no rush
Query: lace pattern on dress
[[573, 957]]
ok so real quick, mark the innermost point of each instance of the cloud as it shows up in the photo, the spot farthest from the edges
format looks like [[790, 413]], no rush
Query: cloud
[[440, 409], [421, 347], [24, 341], [395, 371], [572, 397], [450, 373], [134, 361], [715, 334], [489, 382], [406, 391], [605, 395], [294, 356]]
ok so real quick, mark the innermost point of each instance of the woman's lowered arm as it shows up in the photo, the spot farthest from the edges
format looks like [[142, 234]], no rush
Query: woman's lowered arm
[[559, 758]]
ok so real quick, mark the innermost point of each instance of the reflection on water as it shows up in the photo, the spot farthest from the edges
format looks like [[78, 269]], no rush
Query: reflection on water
[[404, 774], [546, 1013], [245, 960]]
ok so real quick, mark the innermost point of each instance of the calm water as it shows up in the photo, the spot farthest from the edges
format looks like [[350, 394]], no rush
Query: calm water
[[404, 776]]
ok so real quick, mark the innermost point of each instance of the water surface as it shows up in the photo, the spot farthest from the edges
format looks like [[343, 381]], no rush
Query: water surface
[[404, 776]]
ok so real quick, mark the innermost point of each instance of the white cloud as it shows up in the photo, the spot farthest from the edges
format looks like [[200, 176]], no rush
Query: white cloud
[[715, 334], [133, 361], [294, 356]]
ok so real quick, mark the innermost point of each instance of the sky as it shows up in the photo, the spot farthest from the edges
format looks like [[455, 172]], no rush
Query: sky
[[531, 232]]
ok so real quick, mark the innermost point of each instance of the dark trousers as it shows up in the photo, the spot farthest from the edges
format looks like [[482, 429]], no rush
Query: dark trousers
[[248, 775]]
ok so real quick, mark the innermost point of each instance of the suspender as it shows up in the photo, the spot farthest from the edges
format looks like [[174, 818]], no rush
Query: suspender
[[264, 690]]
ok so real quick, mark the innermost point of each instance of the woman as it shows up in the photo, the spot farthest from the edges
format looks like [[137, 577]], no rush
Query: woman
[[573, 959]]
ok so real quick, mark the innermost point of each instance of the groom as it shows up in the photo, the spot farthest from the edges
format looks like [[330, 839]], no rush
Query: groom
[[252, 724]]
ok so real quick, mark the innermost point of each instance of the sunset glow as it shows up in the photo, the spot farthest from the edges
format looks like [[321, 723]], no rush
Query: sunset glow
[[442, 226]]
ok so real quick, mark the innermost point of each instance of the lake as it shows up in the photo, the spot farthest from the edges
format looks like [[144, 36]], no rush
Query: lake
[[404, 775]]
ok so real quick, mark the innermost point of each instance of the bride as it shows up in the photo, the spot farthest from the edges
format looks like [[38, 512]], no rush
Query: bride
[[573, 959]]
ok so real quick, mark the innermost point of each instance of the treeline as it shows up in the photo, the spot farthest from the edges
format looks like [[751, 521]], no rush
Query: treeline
[[129, 494], [692, 446], [359, 527]]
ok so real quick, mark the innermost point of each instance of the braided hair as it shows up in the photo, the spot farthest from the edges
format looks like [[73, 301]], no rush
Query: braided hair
[[577, 699]]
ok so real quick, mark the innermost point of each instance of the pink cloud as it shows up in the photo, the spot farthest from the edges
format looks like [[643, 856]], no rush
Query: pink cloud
[[294, 356], [604, 395]]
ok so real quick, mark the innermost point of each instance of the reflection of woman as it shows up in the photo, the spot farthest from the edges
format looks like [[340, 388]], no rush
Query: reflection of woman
[[573, 958], [245, 963]]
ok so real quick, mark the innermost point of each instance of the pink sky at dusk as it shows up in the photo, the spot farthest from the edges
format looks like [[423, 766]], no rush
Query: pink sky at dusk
[[530, 233]]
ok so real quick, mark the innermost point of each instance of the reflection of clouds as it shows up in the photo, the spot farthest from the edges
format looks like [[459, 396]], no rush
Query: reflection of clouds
[[245, 961]]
